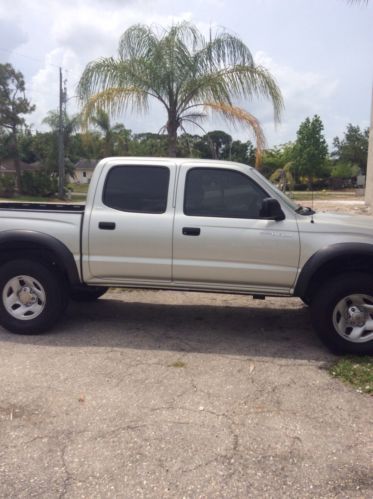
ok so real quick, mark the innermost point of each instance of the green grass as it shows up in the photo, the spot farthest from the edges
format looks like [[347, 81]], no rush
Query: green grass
[[178, 364], [79, 188], [357, 371]]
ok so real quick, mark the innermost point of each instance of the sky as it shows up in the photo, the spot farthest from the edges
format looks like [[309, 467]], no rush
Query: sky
[[319, 51]]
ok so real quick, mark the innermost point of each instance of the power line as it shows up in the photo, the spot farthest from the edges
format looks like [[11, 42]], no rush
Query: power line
[[32, 90], [35, 59]]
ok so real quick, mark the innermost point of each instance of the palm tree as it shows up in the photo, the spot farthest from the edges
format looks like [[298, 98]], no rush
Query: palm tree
[[70, 123], [187, 73], [101, 120], [70, 126], [283, 177]]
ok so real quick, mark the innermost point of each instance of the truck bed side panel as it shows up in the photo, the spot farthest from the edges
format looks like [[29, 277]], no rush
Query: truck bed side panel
[[63, 226]]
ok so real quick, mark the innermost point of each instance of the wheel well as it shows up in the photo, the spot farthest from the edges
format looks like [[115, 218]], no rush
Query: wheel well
[[336, 266], [34, 252]]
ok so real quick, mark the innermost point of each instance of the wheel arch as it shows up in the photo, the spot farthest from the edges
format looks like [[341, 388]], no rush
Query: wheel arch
[[329, 261], [42, 247]]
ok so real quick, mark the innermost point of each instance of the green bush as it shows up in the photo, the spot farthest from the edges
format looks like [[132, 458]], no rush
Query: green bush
[[38, 184], [7, 185], [343, 170]]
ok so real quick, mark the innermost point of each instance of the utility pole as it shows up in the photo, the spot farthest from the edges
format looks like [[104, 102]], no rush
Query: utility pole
[[61, 152], [369, 177]]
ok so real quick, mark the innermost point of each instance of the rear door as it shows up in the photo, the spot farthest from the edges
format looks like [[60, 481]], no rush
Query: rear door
[[130, 226], [220, 240]]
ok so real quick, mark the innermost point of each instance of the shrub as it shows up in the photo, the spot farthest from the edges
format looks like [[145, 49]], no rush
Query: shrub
[[38, 184], [343, 170], [7, 185]]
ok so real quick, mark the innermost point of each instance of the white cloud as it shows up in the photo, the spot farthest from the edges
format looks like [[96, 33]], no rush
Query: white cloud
[[305, 93], [11, 37], [82, 35], [44, 88]]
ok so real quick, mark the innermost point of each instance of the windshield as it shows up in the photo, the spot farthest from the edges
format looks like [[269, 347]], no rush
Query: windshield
[[289, 202]]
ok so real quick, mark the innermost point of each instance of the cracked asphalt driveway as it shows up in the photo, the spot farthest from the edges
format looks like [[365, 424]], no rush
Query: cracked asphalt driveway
[[161, 394]]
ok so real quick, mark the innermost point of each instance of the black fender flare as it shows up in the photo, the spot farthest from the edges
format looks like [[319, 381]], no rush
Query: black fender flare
[[30, 239], [327, 255]]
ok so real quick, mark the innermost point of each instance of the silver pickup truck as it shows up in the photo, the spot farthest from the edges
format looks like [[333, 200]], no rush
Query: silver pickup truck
[[191, 225]]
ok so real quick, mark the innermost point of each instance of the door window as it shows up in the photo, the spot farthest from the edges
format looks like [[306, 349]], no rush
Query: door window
[[139, 189], [218, 192]]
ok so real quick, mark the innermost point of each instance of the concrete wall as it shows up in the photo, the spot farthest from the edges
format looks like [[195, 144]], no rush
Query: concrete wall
[[369, 184]]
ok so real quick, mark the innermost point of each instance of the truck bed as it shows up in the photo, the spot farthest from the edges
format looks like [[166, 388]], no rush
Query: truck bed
[[61, 221]]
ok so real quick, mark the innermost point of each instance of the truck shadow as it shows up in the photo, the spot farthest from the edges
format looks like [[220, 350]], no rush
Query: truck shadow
[[204, 328]]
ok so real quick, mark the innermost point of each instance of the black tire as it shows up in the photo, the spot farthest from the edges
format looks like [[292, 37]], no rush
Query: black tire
[[324, 303], [54, 289], [88, 294]]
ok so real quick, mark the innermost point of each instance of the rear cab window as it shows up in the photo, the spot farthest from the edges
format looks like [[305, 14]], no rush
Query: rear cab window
[[137, 188]]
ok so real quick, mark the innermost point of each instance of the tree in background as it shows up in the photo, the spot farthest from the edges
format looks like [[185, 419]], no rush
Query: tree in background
[[278, 164], [242, 152], [148, 144], [277, 158], [219, 143], [188, 74], [13, 106], [310, 150], [352, 149], [115, 137], [189, 146], [70, 125], [344, 171], [101, 121], [121, 139]]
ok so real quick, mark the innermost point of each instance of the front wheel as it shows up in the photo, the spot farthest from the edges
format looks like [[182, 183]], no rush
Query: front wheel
[[32, 296], [342, 314]]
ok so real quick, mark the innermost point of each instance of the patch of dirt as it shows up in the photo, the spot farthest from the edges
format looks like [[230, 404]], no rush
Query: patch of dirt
[[355, 206]]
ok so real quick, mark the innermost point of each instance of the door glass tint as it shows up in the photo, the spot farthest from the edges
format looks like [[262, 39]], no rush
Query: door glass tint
[[211, 192], [140, 189]]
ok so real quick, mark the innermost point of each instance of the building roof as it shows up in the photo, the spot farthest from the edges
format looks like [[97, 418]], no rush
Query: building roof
[[7, 166], [86, 164]]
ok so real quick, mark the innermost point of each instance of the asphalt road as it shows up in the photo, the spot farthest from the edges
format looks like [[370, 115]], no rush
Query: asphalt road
[[160, 394]]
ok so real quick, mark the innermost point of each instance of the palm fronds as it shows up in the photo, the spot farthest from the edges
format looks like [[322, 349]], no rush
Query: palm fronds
[[182, 69], [114, 101], [238, 116]]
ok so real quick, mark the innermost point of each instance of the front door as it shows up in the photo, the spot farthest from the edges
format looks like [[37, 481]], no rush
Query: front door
[[220, 239]]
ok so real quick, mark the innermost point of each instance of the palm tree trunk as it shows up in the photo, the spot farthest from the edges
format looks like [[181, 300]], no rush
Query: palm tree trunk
[[172, 127], [172, 142]]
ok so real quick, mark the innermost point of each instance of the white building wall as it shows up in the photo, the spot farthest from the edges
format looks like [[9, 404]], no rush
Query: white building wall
[[83, 176]]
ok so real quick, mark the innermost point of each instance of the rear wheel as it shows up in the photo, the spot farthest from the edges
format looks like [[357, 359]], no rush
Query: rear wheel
[[32, 296], [88, 294], [342, 314]]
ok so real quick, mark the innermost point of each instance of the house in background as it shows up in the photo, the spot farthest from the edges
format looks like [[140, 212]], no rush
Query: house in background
[[84, 170], [7, 167]]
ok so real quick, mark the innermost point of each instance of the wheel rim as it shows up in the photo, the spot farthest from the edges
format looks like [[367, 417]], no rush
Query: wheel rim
[[24, 297], [353, 318]]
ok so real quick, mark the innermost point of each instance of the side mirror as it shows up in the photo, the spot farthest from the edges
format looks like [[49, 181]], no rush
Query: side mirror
[[271, 210]]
